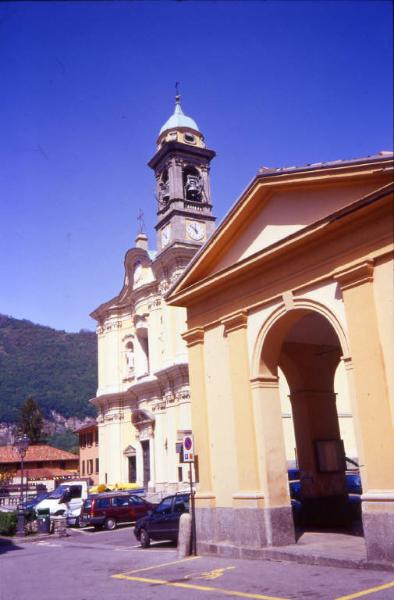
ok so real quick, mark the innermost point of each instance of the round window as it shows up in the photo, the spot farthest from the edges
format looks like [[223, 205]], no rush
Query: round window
[[189, 138]]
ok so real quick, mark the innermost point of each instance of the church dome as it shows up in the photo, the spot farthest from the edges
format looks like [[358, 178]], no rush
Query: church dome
[[179, 119]]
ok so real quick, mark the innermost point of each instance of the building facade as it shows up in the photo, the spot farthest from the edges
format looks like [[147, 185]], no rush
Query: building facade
[[43, 465], [296, 281], [143, 398], [88, 437]]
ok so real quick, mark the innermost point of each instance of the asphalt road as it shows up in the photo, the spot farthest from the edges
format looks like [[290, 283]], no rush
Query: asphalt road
[[89, 565]]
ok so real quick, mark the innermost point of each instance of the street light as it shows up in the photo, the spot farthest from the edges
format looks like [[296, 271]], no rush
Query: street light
[[21, 444]]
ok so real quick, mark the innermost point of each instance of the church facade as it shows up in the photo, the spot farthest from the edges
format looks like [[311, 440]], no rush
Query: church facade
[[143, 398]]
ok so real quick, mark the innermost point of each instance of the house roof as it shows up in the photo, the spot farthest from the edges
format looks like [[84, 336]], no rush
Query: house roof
[[87, 426], [47, 473], [265, 171], [35, 452]]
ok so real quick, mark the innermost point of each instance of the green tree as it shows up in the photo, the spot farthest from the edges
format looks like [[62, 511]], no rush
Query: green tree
[[31, 421]]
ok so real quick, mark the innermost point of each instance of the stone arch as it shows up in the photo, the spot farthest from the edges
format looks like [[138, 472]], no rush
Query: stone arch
[[274, 329], [307, 342]]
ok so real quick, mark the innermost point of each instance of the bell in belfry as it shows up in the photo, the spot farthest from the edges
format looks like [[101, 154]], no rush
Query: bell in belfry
[[193, 187]]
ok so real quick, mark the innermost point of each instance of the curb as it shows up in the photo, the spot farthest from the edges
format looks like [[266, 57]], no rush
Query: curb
[[305, 558], [328, 561], [36, 538]]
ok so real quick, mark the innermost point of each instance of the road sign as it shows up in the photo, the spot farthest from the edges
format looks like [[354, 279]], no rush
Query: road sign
[[188, 448]]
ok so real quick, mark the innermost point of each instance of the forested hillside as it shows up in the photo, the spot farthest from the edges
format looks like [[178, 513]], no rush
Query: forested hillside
[[58, 369]]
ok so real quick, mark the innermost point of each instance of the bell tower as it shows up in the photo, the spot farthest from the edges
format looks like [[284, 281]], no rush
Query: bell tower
[[181, 166]]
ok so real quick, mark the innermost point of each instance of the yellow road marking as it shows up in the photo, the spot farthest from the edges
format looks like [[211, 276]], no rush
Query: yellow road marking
[[201, 588], [214, 574], [174, 562], [385, 586]]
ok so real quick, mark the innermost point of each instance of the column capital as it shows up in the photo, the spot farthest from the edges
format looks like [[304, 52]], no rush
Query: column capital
[[356, 275], [194, 336], [238, 320], [264, 381]]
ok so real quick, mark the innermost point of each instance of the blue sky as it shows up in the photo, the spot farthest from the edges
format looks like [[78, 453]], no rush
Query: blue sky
[[86, 86]]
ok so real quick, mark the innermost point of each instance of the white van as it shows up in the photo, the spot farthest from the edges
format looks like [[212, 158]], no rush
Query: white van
[[66, 499]]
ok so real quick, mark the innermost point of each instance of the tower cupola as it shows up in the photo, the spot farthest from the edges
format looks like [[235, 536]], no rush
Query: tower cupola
[[181, 166], [180, 128]]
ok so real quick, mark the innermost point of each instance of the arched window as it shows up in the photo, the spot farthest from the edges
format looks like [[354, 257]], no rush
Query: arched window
[[192, 184], [164, 187]]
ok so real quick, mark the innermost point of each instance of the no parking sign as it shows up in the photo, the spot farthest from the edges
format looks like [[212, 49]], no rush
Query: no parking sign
[[188, 448]]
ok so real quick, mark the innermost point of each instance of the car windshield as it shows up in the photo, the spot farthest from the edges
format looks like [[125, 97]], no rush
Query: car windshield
[[58, 493], [165, 505]]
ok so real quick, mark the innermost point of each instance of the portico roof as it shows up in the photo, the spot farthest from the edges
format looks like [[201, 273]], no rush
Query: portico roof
[[200, 273]]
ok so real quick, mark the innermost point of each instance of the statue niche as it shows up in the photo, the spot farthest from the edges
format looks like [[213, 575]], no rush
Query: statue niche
[[192, 184], [129, 360]]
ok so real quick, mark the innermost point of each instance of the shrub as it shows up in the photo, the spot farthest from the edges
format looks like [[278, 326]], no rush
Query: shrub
[[8, 521]]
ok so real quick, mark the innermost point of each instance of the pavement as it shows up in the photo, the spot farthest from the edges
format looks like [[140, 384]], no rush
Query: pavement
[[330, 549], [88, 564], [312, 548]]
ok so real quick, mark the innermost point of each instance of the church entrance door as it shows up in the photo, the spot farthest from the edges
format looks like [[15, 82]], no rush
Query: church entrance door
[[146, 462]]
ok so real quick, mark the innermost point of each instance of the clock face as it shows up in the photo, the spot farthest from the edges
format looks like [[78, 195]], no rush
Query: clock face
[[195, 230], [165, 235]]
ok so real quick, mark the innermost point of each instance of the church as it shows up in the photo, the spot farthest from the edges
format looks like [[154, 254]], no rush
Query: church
[[143, 397]]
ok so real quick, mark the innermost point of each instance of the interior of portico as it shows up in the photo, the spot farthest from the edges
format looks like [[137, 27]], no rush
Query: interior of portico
[[303, 347]]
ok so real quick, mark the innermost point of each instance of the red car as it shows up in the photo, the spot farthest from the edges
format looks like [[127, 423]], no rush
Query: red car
[[110, 508]]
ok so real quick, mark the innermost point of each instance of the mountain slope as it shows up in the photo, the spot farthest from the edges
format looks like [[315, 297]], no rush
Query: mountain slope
[[58, 369]]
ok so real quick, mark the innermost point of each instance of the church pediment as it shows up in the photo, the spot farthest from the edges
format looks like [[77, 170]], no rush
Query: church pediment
[[277, 206], [130, 451]]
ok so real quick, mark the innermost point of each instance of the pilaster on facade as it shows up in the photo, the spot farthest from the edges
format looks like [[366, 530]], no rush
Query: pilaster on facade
[[236, 321], [358, 274], [193, 337]]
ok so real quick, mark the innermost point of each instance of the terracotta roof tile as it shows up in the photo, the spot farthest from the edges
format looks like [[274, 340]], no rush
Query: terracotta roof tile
[[47, 473], [36, 452]]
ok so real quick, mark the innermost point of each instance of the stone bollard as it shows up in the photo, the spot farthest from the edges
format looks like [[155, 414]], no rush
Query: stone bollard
[[184, 535], [59, 526]]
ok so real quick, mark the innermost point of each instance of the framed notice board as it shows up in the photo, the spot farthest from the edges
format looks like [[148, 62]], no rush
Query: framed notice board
[[330, 456]]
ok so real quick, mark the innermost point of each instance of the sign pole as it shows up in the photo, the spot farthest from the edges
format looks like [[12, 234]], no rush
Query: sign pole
[[188, 456], [193, 544]]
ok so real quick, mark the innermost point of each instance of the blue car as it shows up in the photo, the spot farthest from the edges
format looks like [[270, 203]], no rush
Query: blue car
[[354, 488], [163, 522]]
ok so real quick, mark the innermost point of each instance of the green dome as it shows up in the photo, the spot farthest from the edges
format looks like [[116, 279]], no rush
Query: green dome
[[179, 119]]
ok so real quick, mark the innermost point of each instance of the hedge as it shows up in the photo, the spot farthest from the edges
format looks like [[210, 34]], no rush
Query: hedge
[[8, 522]]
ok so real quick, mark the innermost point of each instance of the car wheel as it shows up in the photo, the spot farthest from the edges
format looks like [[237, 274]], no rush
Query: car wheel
[[144, 538], [110, 524]]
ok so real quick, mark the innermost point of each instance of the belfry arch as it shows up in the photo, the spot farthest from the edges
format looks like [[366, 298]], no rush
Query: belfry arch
[[306, 343]]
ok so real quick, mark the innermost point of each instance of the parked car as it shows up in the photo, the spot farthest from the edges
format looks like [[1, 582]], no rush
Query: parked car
[[163, 522], [110, 508], [354, 489]]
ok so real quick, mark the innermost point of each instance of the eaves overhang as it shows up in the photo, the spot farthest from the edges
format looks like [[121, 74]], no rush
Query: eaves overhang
[[176, 148]]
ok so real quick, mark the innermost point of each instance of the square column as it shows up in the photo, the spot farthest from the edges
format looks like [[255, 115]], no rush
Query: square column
[[372, 412]]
